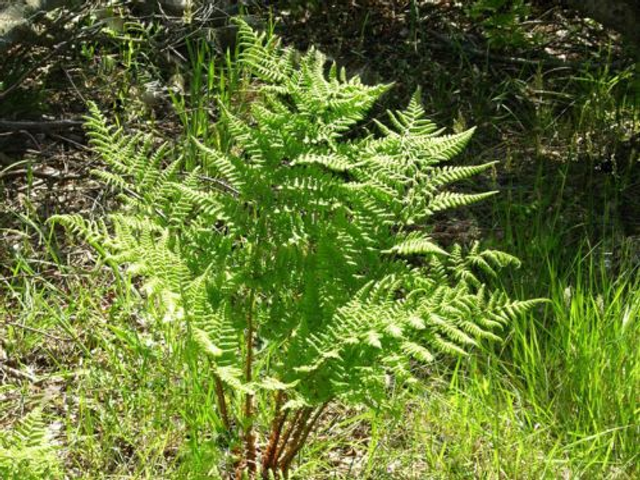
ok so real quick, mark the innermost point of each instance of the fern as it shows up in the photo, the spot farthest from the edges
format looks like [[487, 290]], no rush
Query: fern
[[27, 451], [299, 259], [415, 243]]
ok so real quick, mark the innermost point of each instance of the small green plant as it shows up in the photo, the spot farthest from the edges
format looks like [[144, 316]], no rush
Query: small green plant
[[299, 258], [500, 20], [212, 85], [27, 452]]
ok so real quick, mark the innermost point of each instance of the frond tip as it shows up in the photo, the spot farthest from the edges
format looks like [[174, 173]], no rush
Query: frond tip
[[416, 244]]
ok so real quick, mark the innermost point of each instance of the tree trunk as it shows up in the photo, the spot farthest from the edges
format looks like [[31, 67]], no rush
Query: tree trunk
[[623, 16]]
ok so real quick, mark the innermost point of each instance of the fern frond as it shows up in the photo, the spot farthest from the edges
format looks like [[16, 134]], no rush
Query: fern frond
[[444, 147], [416, 243], [441, 176], [333, 162], [28, 450], [94, 233], [412, 122], [298, 259], [262, 56], [418, 352], [448, 200]]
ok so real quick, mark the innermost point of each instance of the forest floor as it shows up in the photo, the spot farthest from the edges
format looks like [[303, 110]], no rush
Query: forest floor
[[555, 99]]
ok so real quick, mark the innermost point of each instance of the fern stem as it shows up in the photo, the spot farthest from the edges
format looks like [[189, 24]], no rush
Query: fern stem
[[279, 418], [307, 429], [292, 447], [222, 403], [287, 434], [249, 436]]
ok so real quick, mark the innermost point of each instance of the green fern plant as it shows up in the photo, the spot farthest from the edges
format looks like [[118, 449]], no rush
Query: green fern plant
[[300, 258], [501, 21], [27, 452]]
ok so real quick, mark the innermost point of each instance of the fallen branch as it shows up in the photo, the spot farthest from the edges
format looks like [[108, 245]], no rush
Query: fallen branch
[[39, 126], [17, 373], [58, 176], [545, 60], [35, 330]]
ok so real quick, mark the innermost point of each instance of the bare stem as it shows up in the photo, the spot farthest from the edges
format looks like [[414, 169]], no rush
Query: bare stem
[[222, 403], [295, 448], [249, 435], [279, 417], [287, 434], [291, 447]]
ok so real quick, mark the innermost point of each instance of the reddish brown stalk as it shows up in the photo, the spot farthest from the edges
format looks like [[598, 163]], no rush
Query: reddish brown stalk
[[249, 435], [287, 434], [222, 403], [308, 428], [279, 417], [290, 449], [250, 440], [238, 463]]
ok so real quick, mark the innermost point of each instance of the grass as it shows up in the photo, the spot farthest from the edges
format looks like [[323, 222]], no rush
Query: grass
[[576, 364], [123, 396], [557, 400], [125, 404]]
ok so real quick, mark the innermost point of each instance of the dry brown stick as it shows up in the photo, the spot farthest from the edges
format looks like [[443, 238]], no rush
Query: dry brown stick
[[35, 173], [546, 60], [40, 126], [221, 183], [78, 145], [57, 49], [28, 72], [18, 373], [35, 330]]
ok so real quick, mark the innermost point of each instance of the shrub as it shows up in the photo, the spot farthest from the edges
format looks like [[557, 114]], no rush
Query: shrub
[[299, 258]]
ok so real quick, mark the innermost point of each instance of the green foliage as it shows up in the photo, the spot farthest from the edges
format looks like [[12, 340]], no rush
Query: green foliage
[[299, 259], [500, 20], [27, 452]]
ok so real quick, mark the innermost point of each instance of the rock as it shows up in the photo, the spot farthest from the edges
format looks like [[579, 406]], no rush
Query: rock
[[15, 15]]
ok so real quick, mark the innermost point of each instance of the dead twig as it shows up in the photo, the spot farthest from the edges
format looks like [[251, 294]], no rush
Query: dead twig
[[14, 372], [39, 126], [445, 42], [35, 330], [57, 176]]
